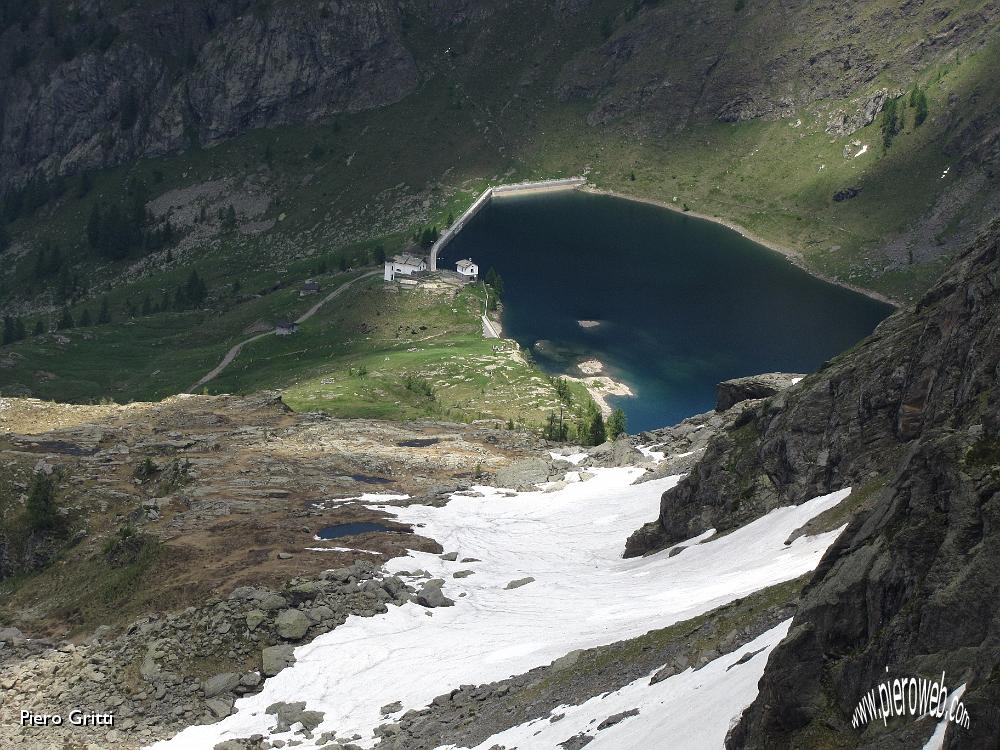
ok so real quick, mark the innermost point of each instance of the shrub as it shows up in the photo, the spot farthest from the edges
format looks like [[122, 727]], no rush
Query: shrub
[[43, 512], [126, 547], [891, 124]]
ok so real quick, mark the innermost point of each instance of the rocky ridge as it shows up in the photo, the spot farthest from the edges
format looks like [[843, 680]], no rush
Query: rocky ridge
[[910, 586]]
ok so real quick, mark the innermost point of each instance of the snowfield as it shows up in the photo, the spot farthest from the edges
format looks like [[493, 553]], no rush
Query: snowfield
[[689, 711], [583, 595]]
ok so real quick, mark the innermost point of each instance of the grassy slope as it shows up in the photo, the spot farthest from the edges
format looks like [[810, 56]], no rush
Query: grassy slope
[[386, 172], [398, 353]]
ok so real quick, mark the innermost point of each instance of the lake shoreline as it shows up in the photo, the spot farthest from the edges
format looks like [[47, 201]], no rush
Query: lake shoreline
[[600, 387], [793, 256]]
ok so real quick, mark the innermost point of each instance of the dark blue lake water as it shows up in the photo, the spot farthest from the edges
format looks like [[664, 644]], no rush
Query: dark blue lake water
[[681, 303]]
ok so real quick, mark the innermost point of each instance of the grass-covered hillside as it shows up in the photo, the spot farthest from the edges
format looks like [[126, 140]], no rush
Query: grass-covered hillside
[[711, 108]]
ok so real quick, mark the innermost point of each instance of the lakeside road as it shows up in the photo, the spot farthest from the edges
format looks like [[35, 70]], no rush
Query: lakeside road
[[235, 350], [793, 256]]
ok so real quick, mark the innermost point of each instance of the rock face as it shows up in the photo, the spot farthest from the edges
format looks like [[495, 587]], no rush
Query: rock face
[[911, 420], [911, 584], [237, 68], [844, 124], [728, 393]]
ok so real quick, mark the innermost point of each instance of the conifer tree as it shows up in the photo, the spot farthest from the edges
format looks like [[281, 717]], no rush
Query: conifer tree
[[616, 424], [8, 330], [66, 320]]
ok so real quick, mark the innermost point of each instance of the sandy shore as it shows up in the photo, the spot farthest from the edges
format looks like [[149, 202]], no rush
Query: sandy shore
[[792, 255], [600, 387]]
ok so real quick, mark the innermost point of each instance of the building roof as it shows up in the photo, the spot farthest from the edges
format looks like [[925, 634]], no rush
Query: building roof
[[466, 264], [286, 324], [408, 260], [310, 284]]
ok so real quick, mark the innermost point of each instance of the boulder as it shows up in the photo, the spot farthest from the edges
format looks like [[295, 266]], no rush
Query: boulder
[[12, 636], [254, 618], [270, 602], [618, 452], [289, 714], [292, 624], [304, 592], [220, 683], [391, 708], [431, 596], [524, 474], [276, 658], [518, 583], [220, 707]]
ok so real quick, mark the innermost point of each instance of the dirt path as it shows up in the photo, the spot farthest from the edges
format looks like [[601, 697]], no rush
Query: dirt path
[[234, 352]]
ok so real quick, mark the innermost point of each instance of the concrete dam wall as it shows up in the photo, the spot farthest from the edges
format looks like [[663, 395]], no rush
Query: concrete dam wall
[[568, 183]]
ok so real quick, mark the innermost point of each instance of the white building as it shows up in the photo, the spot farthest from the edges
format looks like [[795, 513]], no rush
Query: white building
[[468, 270], [403, 265]]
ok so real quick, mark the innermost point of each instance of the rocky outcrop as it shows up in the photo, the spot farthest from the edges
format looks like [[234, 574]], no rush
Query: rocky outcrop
[[728, 393], [910, 586], [868, 108], [911, 420]]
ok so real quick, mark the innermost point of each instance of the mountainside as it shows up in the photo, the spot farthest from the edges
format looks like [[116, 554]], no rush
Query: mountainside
[[911, 420], [162, 77], [377, 531], [167, 76], [262, 144]]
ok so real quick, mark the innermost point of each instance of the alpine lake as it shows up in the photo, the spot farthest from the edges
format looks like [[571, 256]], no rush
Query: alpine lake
[[670, 304]]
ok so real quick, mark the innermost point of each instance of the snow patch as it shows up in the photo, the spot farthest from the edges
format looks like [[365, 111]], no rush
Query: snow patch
[[583, 595], [657, 456], [689, 711]]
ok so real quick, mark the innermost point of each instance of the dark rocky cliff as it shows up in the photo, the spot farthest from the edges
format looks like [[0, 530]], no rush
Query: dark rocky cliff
[[163, 76], [911, 420], [912, 583]]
